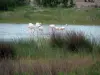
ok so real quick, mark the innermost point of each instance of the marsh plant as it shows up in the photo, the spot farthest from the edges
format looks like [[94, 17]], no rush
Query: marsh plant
[[26, 48], [73, 41], [6, 67], [57, 40], [49, 67], [50, 62], [94, 69], [6, 50]]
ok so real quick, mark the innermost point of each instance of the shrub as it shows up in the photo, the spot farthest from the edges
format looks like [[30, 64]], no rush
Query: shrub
[[77, 41], [65, 2], [10, 4], [94, 69], [47, 3], [6, 50], [5, 4], [56, 40], [70, 40], [71, 3], [54, 3], [21, 2]]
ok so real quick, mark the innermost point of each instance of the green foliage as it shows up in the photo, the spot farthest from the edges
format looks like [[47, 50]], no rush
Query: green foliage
[[77, 41], [47, 3], [65, 2], [54, 3], [5, 4], [6, 50], [71, 41], [57, 40], [26, 48], [10, 4], [94, 69], [20, 2], [71, 3]]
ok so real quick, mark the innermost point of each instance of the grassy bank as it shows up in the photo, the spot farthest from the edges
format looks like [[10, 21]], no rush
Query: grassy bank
[[72, 54], [44, 60], [81, 66], [28, 14]]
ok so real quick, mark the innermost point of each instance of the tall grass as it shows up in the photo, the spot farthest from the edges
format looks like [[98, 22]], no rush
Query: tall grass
[[26, 48], [39, 58], [57, 46], [6, 67], [94, 69], [6, 50], [49, 67], [72, 41]]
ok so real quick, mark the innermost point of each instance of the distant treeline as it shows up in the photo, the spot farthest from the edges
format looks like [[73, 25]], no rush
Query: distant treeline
[[55, 3], [10, 4]]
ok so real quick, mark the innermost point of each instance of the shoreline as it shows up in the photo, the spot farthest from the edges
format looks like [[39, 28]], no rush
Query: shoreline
[[55, 24]]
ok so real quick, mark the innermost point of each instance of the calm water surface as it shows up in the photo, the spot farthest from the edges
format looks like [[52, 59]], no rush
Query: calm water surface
[[21, 31]]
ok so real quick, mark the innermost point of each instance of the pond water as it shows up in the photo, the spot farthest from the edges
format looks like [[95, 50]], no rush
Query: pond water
[[21, 31]]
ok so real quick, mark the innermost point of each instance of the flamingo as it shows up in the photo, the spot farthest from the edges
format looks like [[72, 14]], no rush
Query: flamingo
[[57, 28], [66, 24], [38, 24], [52, 28], [52, 25], [31, 26], [62, 28], [41, 28]]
